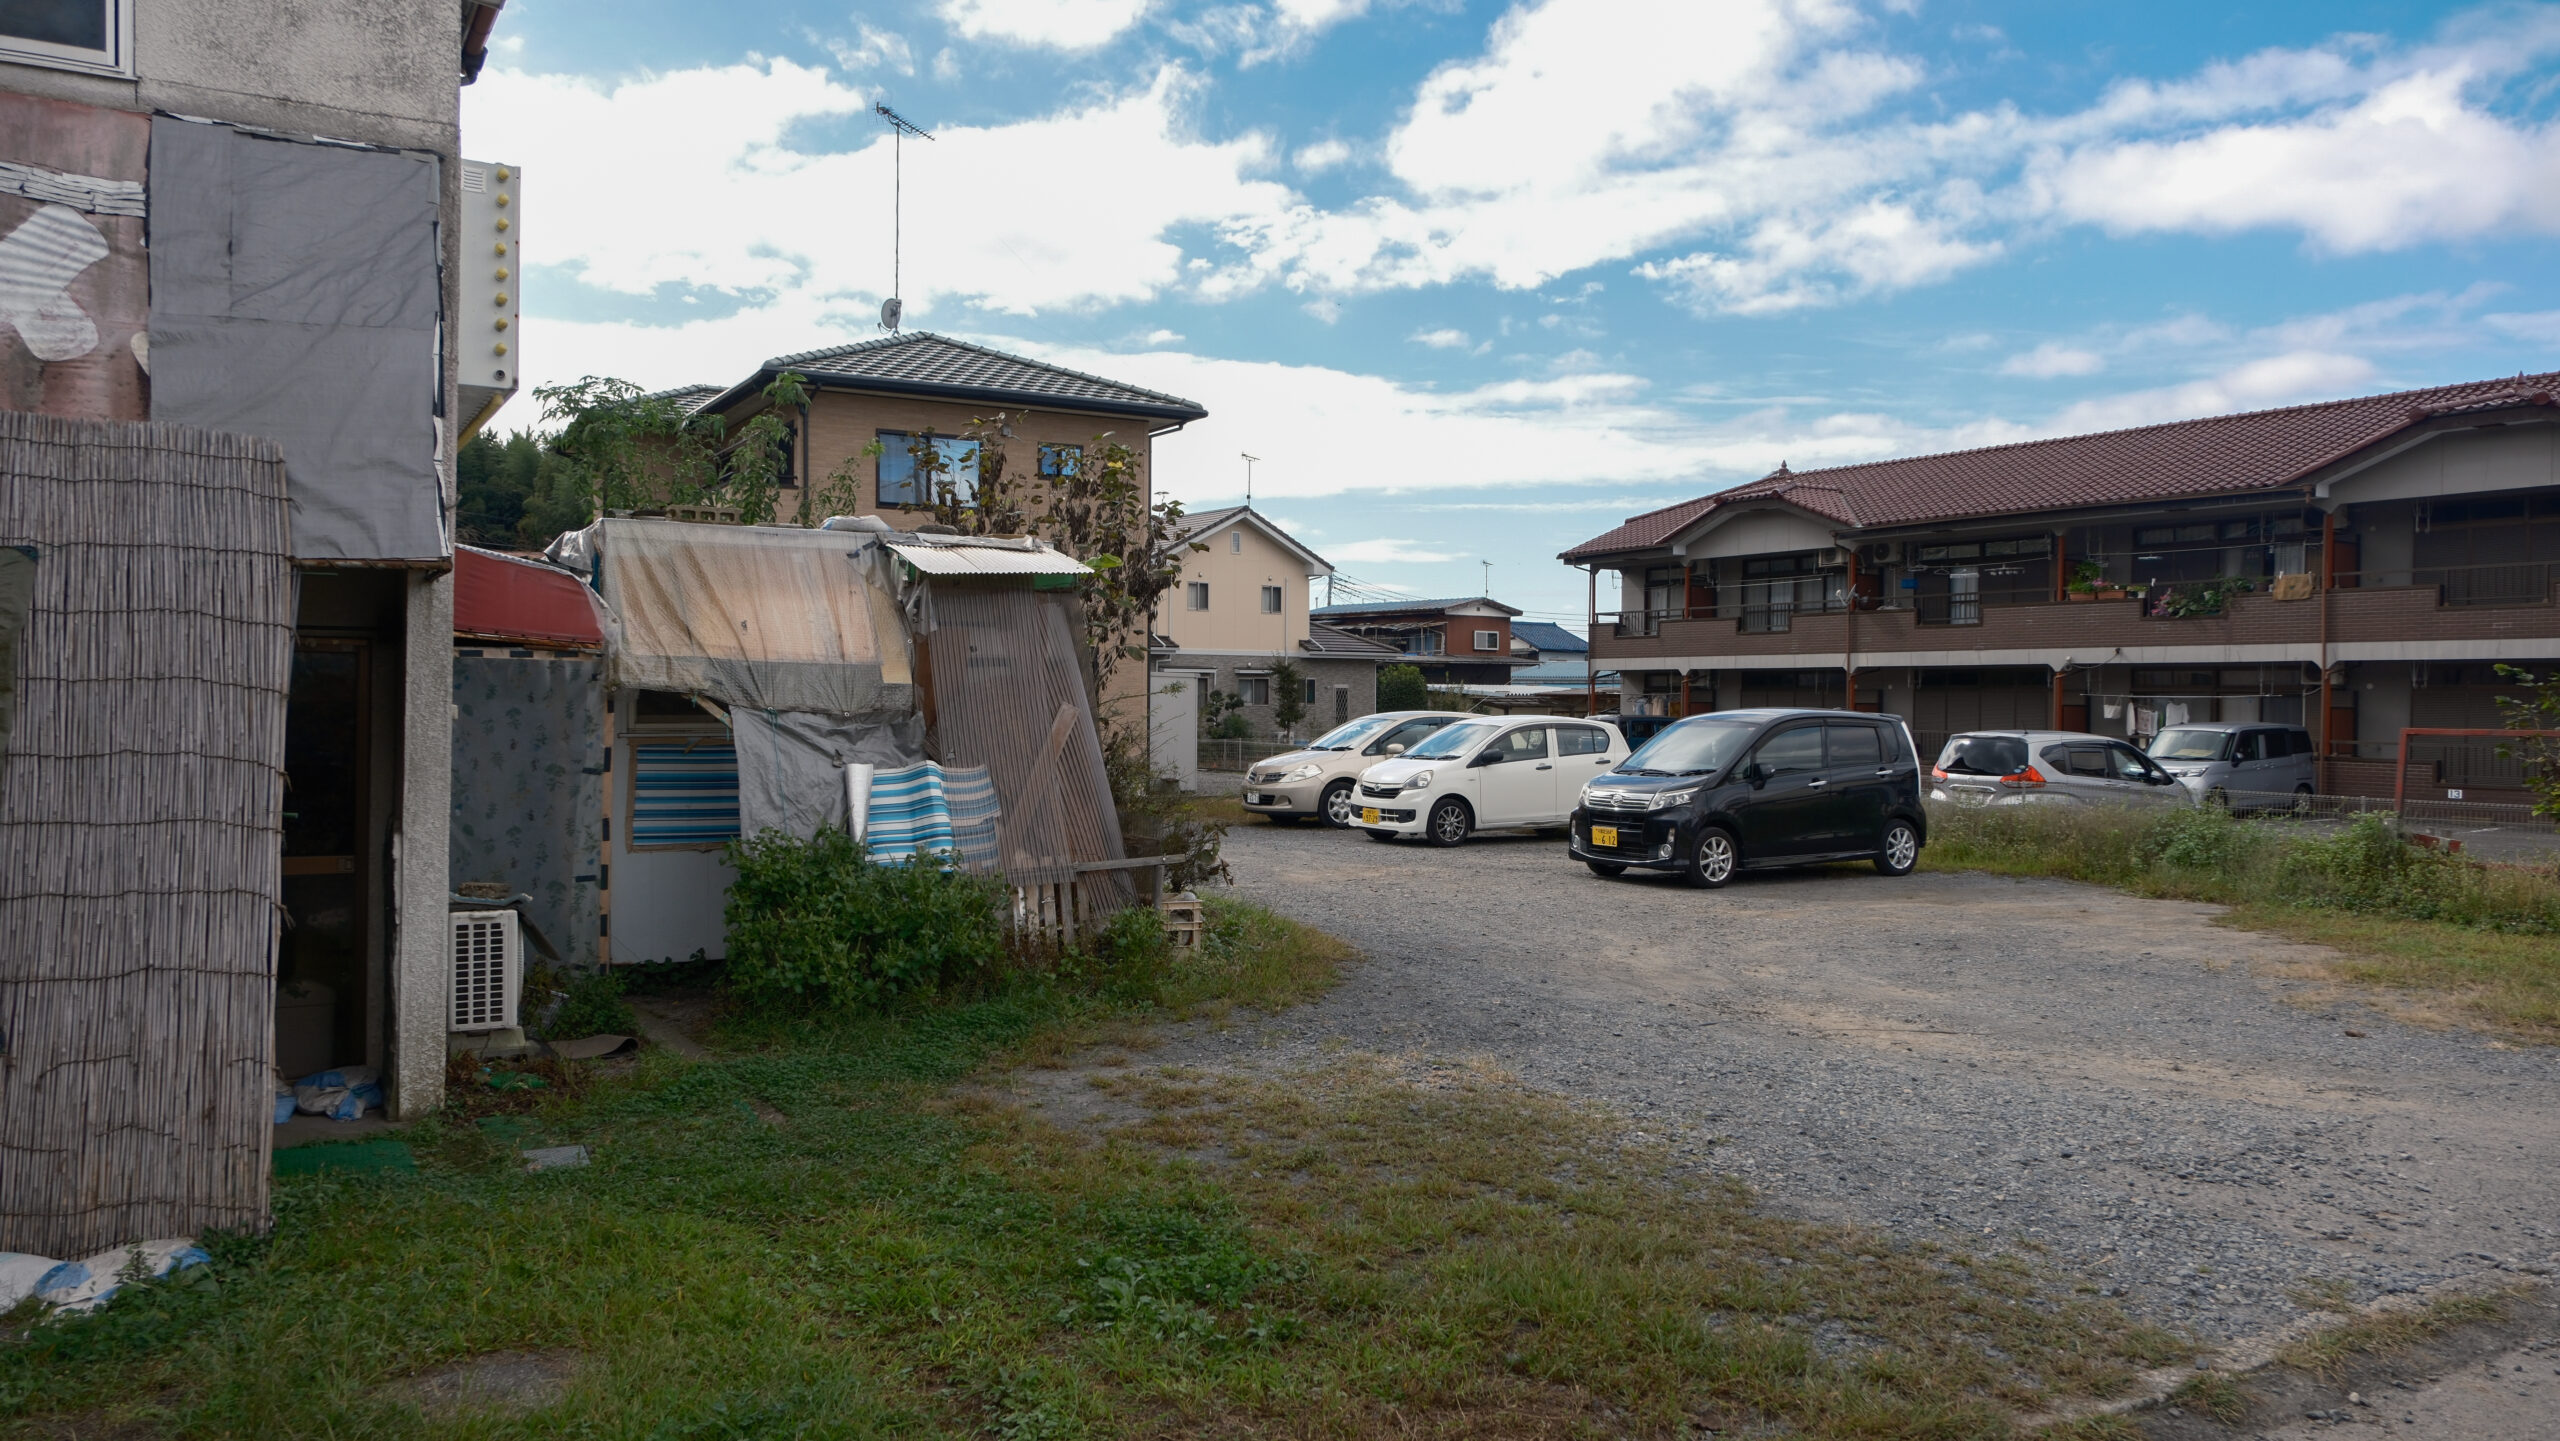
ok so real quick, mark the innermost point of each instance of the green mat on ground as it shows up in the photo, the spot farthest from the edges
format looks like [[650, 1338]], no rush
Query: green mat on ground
[[344, 1156]]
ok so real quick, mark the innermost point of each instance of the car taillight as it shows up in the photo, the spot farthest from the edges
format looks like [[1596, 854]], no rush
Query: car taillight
[[1937, 773], [2027, 777]]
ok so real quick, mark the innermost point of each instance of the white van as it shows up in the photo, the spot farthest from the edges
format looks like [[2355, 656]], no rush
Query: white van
[[1485, 773]]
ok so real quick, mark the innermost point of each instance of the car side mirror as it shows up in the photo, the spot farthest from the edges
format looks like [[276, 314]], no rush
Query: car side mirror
[[1484, 758], [1395, 748], [1756, 773]]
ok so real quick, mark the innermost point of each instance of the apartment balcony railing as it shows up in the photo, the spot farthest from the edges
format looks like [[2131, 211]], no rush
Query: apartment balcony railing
[[2508, 603]]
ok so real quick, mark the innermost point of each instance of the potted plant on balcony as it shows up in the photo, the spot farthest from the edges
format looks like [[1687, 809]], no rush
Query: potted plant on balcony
[[2204, 598], [2089, 582]]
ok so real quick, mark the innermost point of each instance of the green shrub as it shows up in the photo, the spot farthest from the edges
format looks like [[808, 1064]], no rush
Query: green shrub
[[818, 922], [1401, 687], [591, 1006], [2201, 839]]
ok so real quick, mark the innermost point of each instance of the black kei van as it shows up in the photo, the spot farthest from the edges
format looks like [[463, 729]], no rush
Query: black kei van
[[1746, 789]]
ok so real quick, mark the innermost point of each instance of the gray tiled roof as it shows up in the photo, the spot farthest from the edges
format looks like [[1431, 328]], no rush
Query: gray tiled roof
[[1549, 637], [919, 362], [1400, 607], [687, 398], [1326, 641]]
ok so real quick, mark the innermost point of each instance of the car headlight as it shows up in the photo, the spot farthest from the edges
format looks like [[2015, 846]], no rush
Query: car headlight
[[1306, 772], [1418, 781], [1665, 800]]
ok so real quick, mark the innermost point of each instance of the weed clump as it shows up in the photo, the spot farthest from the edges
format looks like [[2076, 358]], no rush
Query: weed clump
[[817, 922]]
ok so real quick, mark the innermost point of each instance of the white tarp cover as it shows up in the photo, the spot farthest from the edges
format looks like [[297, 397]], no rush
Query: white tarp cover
[[767, 618], [294, 295]]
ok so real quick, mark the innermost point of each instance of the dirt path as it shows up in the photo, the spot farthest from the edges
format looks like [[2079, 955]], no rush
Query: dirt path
[[2181, 1111]]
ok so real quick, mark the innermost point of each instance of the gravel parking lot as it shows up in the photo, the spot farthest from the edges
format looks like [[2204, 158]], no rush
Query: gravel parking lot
[[2184, 1113]]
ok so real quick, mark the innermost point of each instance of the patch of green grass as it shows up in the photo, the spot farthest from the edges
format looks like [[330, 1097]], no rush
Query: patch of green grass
[[824, 1233], [2326, 1353], [2407, 919], [2216, 1395]]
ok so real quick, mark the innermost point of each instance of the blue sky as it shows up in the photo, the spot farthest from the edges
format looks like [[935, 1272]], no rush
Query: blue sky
[[1477, 280]]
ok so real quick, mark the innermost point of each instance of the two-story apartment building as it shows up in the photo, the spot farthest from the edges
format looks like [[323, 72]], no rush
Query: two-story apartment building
[[877, 405], [1462, 641], [1241, 607], [2355, 567]]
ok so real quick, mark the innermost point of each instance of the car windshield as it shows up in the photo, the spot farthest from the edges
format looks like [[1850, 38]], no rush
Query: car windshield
[[1343, 738], [1984, 756], [1454, 741], [1691, 748], [2190, 745]]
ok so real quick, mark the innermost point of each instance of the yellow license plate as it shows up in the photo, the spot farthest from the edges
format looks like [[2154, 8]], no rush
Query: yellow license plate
[[1605, 836], [1368, 815]]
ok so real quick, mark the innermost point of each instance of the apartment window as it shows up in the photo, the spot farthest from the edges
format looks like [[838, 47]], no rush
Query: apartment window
[[906, 458], [1271, 600], [1254, 689], [1058, 461], [1195, 596], [1488, 640], [92, 35]]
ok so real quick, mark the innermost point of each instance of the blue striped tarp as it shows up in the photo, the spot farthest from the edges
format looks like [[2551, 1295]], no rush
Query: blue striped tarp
[[683, 794], [925, 809]]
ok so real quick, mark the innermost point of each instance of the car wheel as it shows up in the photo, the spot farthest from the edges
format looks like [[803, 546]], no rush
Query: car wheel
[[2302, 800], [1336, 805], [1901, 849], [1449, 822], [1381, 837], [1606, 870], [2218, 798], [1714, 860]]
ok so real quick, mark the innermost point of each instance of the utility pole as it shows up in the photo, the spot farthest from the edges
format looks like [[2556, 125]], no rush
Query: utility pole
[[894, 308]]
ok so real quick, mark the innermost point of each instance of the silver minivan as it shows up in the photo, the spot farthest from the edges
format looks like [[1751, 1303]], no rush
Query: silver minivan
[[2257, 765], [2030, 768]]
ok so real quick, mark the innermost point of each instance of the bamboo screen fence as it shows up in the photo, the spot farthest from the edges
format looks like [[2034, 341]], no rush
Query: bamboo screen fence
[[140, 812]]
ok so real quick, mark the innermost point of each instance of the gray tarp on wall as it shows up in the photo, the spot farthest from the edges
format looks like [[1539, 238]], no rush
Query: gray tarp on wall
[[294, 295], [791, 764], [528, 795]]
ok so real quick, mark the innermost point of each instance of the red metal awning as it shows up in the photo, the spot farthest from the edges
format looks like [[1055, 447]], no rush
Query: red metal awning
[[502, 597]]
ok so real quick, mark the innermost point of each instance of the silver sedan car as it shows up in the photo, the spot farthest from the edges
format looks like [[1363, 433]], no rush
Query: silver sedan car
[[2018, 768]]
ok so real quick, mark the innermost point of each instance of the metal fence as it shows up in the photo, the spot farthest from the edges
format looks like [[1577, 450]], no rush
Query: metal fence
[[1235, 755]]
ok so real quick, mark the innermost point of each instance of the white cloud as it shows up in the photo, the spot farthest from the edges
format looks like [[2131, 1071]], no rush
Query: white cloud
[[2293, 377], [2052, 360], [638, 192], [1441, 339], [1164, 337], [1059, 24], [2412, 161], [872, 48], [1322, 156], [2542, 327], [1389, 552]]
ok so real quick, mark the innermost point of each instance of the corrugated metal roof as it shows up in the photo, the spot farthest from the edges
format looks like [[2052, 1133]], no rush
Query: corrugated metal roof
[[943, 555], [2214, 455]]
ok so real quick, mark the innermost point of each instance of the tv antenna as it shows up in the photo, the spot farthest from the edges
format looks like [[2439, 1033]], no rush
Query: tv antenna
[[1488, 578], [1248, 477], [900, 127]]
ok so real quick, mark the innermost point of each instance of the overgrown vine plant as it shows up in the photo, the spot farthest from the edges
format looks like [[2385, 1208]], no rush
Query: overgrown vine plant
[[629, 451]]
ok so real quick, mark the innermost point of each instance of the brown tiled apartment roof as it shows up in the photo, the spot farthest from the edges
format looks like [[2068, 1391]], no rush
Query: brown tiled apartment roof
[[2214, 455]]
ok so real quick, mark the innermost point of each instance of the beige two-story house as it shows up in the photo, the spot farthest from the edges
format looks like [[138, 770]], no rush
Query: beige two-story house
[[1241, 608]]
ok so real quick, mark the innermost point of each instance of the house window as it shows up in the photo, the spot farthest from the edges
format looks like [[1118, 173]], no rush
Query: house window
[[905, 460], [1254, 689], [1488, 640], [1271, 600], [1341, 704], [1058, 461], [92, 35], [1310, 697], [1195, 596], [1235, 542]]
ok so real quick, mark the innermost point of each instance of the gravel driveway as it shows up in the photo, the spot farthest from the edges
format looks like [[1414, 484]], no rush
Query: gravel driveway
[[2178, 1110]]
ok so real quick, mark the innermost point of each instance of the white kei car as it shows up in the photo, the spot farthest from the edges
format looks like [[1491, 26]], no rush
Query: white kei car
[[1485, 773]]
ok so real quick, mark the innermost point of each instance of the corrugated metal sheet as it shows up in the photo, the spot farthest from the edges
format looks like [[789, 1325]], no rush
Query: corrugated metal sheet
[[985, 559], [500, 595]]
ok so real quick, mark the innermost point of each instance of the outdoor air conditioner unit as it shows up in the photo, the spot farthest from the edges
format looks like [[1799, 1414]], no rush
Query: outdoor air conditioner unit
[[488, 970], [1833, 557], [1876, 552]]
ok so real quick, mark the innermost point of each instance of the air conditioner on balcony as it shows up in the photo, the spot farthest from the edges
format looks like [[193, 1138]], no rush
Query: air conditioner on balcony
[[1876, 552], [1832, 558]]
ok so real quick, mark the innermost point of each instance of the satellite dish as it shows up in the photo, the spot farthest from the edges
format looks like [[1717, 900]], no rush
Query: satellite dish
[[890, 310]]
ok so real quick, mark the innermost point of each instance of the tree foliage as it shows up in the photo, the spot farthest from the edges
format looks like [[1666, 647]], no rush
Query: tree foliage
[[1401, 687], [1288, 694], [2535, 708]]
